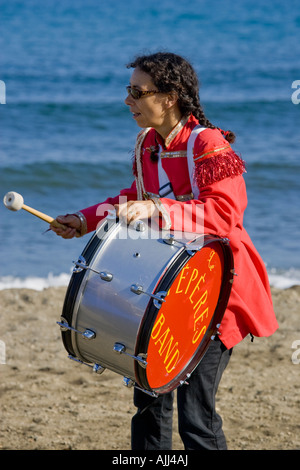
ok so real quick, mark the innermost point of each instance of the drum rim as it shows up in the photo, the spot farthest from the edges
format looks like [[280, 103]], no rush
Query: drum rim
[[152, 311]]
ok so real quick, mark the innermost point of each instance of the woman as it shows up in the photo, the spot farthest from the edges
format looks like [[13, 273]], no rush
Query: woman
[[181, 156]]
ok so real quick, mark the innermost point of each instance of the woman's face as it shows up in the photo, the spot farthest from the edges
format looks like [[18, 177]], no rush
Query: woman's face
[[155, 110]]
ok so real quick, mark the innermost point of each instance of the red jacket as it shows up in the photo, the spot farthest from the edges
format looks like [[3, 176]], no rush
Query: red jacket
[[216, 186]]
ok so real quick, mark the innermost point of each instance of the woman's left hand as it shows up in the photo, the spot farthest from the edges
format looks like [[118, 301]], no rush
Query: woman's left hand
[[135, 210]]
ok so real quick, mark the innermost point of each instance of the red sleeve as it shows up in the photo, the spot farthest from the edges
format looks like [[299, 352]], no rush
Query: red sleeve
[[94, 214]]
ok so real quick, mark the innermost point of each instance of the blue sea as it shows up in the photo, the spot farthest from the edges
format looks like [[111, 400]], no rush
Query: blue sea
[[66, 136]]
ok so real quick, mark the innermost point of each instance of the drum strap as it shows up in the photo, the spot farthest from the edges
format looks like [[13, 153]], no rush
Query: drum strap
[[165, 187], [190, 158]]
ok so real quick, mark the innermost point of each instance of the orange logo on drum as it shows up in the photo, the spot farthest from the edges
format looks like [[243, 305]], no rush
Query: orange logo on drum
[[165, 344], [200, 319], [181, 327], [187, 282], [189, 285], [212, 254]]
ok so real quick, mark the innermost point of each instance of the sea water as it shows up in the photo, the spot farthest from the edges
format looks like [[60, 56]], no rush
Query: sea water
[[66, 136]]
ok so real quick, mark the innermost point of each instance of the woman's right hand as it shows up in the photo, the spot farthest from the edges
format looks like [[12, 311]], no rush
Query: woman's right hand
[[72, 224]]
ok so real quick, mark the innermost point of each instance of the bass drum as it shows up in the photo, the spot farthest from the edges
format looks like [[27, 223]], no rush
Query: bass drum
[[146, 305]]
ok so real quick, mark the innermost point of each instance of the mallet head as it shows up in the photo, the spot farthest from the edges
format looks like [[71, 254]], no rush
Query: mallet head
[[13, 201]]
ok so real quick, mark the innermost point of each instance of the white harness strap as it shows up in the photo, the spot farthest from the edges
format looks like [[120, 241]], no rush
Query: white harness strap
[[190, 158], [163, 179], [165, 187]]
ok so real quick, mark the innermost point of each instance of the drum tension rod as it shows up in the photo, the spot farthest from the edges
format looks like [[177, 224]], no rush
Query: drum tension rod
[[97, 368], [128, 382], [121, 349], [160, 296], [81, 264], [87, 334]]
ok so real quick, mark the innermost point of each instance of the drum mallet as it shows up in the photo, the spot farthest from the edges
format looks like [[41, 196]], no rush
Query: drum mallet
[[14, 202]]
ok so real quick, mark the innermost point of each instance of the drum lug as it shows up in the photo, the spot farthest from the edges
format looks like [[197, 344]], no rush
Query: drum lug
[[171, 240], [140, 226], [159, 297], [121, 349], [87, 334], [97, 368], [127, 382], [105, 276], [137, 289]]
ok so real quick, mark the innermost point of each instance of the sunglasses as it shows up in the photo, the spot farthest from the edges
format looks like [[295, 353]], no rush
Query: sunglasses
[[137, 94]]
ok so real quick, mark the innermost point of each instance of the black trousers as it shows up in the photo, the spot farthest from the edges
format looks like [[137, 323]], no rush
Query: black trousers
[[199, 425]]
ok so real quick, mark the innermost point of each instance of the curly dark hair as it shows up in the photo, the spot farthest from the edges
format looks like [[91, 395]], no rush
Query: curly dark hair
[[171, 72]]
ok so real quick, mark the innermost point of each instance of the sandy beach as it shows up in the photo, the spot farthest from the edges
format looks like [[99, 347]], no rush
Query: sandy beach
[[51, 403]]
